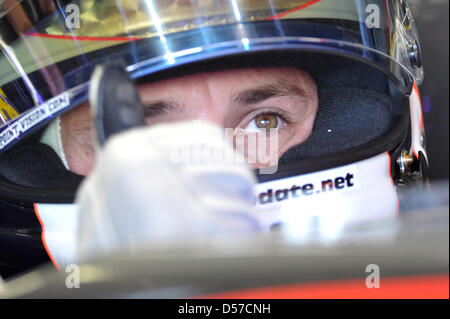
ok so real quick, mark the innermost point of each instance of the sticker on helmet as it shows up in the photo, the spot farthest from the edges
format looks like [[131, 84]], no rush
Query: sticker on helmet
[[7, 112], [37, 115], [338, 180]]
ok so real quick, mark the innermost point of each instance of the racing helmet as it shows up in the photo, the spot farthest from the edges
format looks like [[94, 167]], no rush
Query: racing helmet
[[364, 55]]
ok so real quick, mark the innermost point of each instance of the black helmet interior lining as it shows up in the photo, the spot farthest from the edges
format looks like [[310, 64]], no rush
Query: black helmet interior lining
[[347, 117]]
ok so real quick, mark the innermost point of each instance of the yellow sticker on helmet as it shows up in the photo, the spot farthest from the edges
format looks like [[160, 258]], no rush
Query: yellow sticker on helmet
[[7, 112]]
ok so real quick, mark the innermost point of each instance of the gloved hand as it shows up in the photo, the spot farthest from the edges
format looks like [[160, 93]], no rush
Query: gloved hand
[[166, 183]]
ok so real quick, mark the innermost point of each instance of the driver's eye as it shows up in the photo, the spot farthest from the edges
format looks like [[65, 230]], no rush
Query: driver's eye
[[266, 121], [263, 122]]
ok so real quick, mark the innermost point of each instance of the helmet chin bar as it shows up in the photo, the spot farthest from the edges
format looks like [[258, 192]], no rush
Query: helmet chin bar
[[115, 102]]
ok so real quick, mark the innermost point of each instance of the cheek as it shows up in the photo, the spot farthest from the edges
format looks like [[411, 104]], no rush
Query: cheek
[[296, 134], [78, 139], [300, 130], [259, 150]]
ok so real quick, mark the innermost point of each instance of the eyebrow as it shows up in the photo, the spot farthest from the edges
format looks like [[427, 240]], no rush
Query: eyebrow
[[265, 92], [160, 107], [249, 97]]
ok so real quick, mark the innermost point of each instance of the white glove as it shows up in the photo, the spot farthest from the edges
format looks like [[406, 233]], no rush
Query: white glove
[[161, 184]]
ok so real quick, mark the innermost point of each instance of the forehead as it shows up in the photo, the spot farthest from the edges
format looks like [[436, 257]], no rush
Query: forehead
[[230, 78]]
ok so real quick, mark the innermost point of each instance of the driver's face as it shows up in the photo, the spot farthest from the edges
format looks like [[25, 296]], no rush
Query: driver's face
[[246, 100]]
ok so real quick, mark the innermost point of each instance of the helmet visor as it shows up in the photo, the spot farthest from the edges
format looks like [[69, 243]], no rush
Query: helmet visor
[[48, 51]]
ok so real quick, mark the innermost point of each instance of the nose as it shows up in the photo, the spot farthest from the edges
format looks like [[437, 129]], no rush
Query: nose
[[210, 115]]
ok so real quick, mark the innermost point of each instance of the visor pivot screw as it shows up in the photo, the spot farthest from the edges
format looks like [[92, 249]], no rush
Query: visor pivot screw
[[414, 55], [405, 162]]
